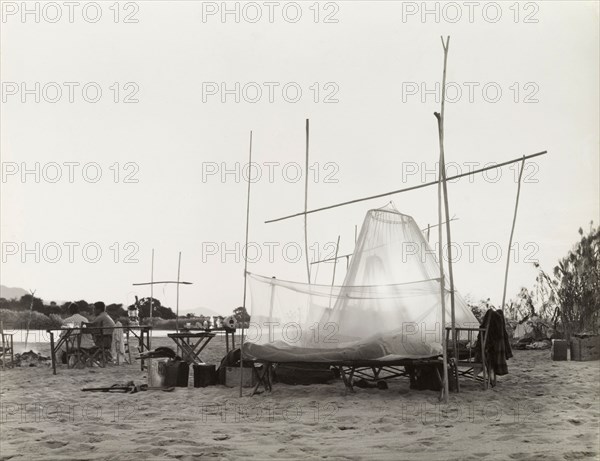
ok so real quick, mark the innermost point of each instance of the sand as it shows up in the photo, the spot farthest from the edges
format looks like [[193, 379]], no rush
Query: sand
[[542, 410]]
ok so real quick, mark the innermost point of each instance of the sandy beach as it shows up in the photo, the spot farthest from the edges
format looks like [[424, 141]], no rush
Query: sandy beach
[[541, 410]]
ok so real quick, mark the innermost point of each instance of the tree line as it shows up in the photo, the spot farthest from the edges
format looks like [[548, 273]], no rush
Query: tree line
[[33, 311]]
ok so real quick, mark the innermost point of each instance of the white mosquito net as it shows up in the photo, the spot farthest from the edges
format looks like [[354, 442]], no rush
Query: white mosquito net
[[387, 308]]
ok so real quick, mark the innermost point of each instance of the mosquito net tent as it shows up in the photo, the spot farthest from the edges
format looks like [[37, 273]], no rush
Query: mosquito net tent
[[388, 308]]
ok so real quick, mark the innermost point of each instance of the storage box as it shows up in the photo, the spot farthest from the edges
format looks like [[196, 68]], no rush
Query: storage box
[[586, 348], [559, 349], [157, 372], [232, 377]]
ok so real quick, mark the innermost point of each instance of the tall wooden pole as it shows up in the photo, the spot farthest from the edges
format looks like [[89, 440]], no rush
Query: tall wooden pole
[[442, 291], [151, 285], [442, 188], [512, 231], [306, 203], [442, 166], [246, 264], [151, 299], [178, 274]]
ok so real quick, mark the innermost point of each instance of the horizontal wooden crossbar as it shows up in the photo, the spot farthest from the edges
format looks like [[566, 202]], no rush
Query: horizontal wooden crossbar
[[406, 189]]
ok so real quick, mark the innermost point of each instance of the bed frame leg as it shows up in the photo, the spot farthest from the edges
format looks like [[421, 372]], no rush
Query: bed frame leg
[[347, 380], [263, 378]]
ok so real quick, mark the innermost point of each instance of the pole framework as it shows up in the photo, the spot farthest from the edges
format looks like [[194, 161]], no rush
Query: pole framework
[[245, 268]]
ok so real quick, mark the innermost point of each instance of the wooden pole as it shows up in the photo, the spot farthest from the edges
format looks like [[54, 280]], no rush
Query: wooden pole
[[3, 344], [29, 320], [178, 276], [151, 285], [442, 165], [162, 282], [151, 299], [335, 260], [406, 189], [442, 292], [512, 231], [272, 301], [246, 264], [442, 191], [306, 203]]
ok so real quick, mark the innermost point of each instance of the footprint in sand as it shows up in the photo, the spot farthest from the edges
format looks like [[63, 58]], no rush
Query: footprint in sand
[[29, 430], [581, 455], [163, 442], [386, 428], [156, 452], [55, 444], [505, 438]]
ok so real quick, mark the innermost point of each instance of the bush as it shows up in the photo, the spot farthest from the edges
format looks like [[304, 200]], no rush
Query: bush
[[19, 320], [9, 318], [56, 320]]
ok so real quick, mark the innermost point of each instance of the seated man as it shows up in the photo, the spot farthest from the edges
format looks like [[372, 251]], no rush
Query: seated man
[[102, 320], [75, 320]]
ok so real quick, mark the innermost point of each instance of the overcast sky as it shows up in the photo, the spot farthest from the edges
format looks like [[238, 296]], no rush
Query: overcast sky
[[158, 161]]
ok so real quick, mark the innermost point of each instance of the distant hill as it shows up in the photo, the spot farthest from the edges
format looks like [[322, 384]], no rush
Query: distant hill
[[10, 293]]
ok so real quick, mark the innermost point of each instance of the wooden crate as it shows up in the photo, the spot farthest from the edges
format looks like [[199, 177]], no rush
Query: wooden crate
[[232, 377], [584, 349], [559, 349]]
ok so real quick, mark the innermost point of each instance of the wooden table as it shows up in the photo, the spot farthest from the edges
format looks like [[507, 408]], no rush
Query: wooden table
[[191, 344], [142, 333], [192, 341]]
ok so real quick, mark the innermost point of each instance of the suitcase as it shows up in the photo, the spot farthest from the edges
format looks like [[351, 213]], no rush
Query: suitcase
[[205, 375], [559, 350], [177, 374]]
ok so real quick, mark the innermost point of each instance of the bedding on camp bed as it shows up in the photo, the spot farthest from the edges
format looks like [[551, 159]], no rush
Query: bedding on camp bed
[[381, 349]]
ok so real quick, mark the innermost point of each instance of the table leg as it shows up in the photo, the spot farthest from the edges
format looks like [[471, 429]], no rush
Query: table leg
[[141, 348], [52, 353]]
